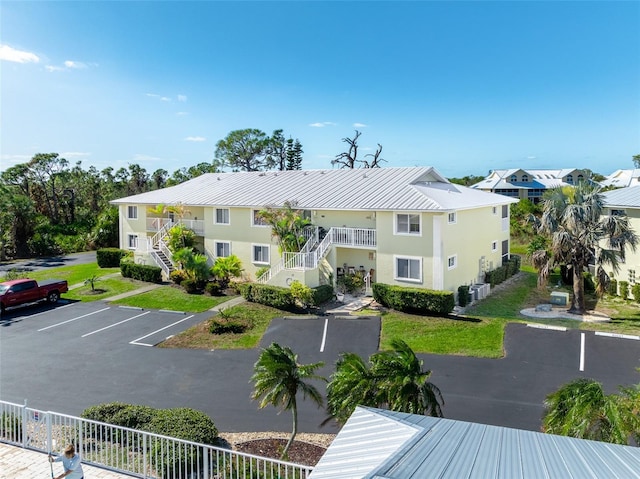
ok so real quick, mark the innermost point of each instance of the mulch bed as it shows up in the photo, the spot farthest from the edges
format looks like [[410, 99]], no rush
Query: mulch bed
[[299, 452]]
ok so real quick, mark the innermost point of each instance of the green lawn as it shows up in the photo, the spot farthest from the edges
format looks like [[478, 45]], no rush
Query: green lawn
[[199, 337], [74, 274], [175, 299], [425, 334], [104, 288]]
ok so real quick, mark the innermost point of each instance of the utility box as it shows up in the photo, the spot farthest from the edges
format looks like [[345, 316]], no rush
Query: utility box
[[559, 298]]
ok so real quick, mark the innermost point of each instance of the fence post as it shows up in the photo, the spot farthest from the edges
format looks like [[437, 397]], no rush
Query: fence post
[[23, 425], [49, 439], [205, 464], [144, 455]]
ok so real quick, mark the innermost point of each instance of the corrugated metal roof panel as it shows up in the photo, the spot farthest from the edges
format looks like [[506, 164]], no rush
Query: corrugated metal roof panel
[[629, 197], [362, 189]]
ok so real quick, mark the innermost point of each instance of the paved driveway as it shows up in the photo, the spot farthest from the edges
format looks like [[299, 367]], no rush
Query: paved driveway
[[36, 264], [73, 356]]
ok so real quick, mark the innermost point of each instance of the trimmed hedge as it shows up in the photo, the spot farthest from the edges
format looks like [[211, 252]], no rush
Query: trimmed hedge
[[414, 300], [322, 294], [274, 296], [508, 269], [142, 272], [624, 289], [613, 287], [110, 257]]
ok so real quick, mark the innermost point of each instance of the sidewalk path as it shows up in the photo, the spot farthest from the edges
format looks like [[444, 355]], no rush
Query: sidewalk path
[[18, 463]]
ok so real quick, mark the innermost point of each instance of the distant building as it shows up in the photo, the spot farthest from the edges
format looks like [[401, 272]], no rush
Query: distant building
[[529, 184], [622, 178]]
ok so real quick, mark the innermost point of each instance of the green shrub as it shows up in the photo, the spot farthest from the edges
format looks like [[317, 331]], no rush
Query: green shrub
[[181, 423], [14, 274], [178, 276], [10, 427], [463, 295], [414, 300], [110, 257], [302, 294], [134, 416], [635, 291], [322, 294], [222, 325], [508, 269], [274, 296], [624, 289], [190, 286], [142, 272], [214, 288], [103, 412], [613, 286], [589, 284]]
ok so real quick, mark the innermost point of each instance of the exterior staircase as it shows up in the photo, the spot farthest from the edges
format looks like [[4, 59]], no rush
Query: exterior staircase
[[160, 252]]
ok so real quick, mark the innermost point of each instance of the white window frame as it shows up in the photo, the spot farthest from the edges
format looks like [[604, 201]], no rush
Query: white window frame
[[253, 253], [452, 218], [494, 246], [132, 239], [215, 248], [409, 259], [132, 209], [254, 218], [408, 232], [215, 216], [452, 261]]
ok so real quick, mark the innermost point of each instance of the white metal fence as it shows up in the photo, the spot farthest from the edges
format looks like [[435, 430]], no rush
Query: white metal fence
[[134, 452]]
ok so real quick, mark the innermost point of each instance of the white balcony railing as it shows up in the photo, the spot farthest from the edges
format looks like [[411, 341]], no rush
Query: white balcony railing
[[135, 452], [156, 224]]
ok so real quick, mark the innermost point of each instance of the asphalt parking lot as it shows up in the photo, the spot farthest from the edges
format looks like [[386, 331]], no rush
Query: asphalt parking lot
[[74, 355]]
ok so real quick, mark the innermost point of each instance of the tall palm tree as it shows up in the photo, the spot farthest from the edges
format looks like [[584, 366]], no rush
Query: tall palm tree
[[579, 236], [582, 409], [287, 225], [277, 380], [393, 379]]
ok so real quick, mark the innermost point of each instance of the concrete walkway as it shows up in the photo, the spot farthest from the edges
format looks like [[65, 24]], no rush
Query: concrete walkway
[[18, 463]]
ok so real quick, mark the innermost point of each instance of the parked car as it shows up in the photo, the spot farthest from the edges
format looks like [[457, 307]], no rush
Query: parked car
[[23, 291]]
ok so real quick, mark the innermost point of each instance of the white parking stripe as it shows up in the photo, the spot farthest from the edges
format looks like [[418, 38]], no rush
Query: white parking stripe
[[617, 335], [581, 351], [546, 326], [135, 341], [324, 334], [115, 324], [73, 319]]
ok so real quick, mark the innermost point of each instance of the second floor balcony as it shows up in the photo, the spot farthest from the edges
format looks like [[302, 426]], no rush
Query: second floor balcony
[[156, 224]]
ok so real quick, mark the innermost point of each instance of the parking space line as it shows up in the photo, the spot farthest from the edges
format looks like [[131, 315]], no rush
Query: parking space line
[[617, 335], [324, 334], [135, 341], [115, 324], [546, 326], [73, 319], [581, 351]]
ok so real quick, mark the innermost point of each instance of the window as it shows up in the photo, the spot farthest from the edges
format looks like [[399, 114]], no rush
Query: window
[[452, 261], [525, 178], [223, 249], [505, 211], [222, 216], [408, 224], [632, 276], [133, 241], [570, 179], [451, 218], [494, 246], [513, 179], [618, 212], [580, 178], [257, 220], [408, 269], [132, 212], [261, 253]]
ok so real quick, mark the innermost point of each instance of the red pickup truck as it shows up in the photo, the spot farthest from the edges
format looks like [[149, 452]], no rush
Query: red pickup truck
[[22, 291]]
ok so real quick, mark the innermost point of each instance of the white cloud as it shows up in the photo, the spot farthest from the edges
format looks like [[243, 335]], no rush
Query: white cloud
[[532, 157], [153, 95], [18, 56], [74, 154], [164, 98], [182, 113], [76, 65], [69, 65], [139, 158], [182, 98], [195, 138], [322, 124], [359, 125], [52, 68]]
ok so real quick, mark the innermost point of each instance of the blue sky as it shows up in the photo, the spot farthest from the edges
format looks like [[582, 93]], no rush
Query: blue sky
[[462, 86]]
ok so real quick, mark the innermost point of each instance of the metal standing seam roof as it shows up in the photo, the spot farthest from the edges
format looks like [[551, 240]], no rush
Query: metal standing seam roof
[[449, 449], [497, 179], [415, 188], [622, 178], [627, 197]]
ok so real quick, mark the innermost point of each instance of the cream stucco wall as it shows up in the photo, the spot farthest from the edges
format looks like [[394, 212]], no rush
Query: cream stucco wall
[[631, 266]]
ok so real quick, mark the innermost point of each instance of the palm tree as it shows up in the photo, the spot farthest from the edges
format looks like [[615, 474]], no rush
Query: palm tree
[[393, 379], [225, 268], [579, 236], [277, 380], [287, 225], [582, 409], [402, 383], [351, 384]]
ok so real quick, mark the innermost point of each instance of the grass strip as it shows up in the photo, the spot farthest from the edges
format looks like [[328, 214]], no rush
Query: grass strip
[[173, 299]]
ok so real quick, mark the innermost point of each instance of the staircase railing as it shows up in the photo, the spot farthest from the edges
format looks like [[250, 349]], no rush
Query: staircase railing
[[309, 258], [156, 243]]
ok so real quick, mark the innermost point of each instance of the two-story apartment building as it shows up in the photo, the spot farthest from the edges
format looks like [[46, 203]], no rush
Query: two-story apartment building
[[404, 226], [529, 184]]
